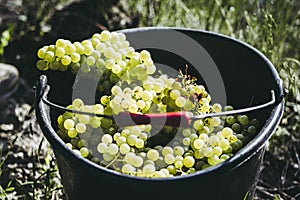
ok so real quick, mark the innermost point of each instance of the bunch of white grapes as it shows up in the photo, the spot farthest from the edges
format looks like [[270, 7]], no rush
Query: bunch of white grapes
[[137, 87]]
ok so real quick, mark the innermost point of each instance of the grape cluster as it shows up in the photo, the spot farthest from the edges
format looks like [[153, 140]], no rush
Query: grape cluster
[[107, 56], [140, 88]]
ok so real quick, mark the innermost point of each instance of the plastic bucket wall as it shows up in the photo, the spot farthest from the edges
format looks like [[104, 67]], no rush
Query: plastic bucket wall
[[246, 73]]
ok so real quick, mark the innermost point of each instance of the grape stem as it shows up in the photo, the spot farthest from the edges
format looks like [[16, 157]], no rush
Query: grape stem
[[238, 111]]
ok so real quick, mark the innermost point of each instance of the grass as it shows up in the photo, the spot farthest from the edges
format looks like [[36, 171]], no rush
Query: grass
[[6, 189], [269, 25]]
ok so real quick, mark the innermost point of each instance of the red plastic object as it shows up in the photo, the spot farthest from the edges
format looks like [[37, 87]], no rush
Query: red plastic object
[[177, 119]]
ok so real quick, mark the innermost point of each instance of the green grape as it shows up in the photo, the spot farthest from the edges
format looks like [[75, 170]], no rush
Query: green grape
[[137, 161], [167, 150], [79, 47], [88, 49], [254, 122], [72, 133], [69, 124], [217, 151], [69, 145], [127, 169], [144, 55], [186, 141], [107, 139], [237, 145], [147, 95], [95, 122], [213, 140], [214, 160], [208, 151], [49, 56], [152, 154], [98, 108], [178, 150], [84, 119], [124, 148], [55, 65], [77, 152], [241, 137], [148, 63], [165, 171], [224, 143], [108, 157], [105, 100], [41, 52], [60, 52], [95, 40], [215, 121], [116, 69], [140, 143], [101, 47], [66, 60], [230, 120], [188, 161], [227, 132], [105, 35], [149, 168], [132, 140], [228, 108], [129, 157], [60, 43], [75, 57], [233, 139], [148, 85], [74, 67], [169, 158], [178, 164], [198, 124], [180, 101], [251, 129], [82, 143], [172, 170], [228, 150], [102, 147], [106, 123], [90, 61], [243, 119], [42, 65], [84, 152], [80, 127], [100, 63], [133, 108], [113, 149], [189, 105], [197, 143], [236, 127], [159, 174], [60, 119], [174, 94], [141, 104], [198, 154], [77, 103], [216, 108], [203, 136]]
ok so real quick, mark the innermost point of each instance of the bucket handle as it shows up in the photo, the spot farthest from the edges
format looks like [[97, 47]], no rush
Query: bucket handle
[[176, 119]]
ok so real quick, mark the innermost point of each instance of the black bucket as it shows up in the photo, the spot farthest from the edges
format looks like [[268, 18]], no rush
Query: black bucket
[[247, 75]]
